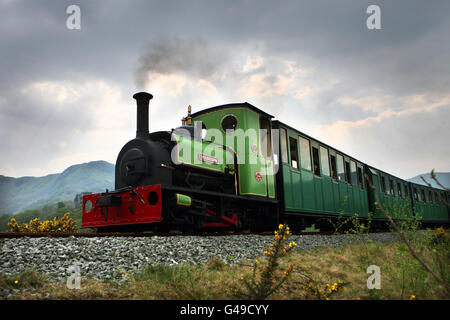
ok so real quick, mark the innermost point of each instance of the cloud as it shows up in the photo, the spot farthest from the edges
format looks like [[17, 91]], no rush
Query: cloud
[[397, 141], [195, 58], [49, 120]]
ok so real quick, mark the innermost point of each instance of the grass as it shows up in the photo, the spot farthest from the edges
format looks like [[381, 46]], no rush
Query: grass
[[401, 278]]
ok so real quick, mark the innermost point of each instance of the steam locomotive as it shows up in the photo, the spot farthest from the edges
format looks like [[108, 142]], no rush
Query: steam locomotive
[[233, 167]]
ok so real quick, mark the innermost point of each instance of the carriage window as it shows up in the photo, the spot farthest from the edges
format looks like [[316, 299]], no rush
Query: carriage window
[[387, 188], [294, 152], [406, 191], [333, 167], [391, 187], [265, 137], [347, 172], [284, 153], [305, 155], [436, 197], [430, 196], [383, 184], [340, 168], [324, 161], [416, 195], [399, 189], [422, 193], [360, 179], [353, 172], [315, 153]]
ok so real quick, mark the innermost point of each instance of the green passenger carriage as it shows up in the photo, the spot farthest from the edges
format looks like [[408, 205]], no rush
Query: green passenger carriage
[[316, 179]]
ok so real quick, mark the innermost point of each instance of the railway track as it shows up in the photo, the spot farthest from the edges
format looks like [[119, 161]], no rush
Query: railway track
[[11, 235], [103, 255]]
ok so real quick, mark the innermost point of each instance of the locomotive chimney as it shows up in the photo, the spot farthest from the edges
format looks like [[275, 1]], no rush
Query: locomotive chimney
[[142, 101]]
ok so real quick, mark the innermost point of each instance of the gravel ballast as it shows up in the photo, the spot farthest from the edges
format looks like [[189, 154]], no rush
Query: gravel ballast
[[108, 257]]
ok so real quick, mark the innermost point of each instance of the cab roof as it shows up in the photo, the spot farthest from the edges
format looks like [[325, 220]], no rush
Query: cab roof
[[231, 106]]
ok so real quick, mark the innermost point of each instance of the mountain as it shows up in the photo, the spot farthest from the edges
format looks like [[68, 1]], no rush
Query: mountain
[[17, 194], [442, 177]]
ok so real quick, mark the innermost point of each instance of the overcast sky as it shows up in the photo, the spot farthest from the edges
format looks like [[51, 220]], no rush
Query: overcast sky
[[382, 96]]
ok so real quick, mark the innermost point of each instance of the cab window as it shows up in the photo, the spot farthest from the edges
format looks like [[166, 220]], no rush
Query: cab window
[[229, 124]]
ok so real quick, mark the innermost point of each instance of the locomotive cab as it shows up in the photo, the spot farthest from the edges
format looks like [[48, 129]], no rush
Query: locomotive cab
[[246, 130]]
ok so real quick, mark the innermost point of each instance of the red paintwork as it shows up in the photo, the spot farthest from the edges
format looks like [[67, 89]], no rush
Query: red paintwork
[[121, 215], [228, 221]]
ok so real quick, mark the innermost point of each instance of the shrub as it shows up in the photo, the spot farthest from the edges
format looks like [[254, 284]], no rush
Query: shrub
[[64, 224], [269, 280]]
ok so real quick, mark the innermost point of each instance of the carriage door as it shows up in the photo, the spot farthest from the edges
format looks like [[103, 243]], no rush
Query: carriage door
[[266, 152]]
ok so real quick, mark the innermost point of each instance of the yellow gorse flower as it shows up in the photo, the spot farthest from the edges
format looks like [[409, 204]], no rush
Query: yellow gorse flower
[[439, 231], [327, 291], [268, 275], [63, 224]]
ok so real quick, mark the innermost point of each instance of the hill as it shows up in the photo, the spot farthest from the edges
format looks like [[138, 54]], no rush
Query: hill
[[443, 178], [18, 194]]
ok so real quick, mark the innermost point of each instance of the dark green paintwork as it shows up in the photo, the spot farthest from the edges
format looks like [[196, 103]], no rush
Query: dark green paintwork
[[402, 205], [432, 211], [306, 192]]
